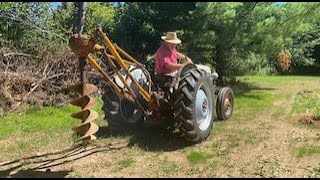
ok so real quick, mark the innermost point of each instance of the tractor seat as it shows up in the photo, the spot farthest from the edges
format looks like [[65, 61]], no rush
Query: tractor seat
[[164, 81]]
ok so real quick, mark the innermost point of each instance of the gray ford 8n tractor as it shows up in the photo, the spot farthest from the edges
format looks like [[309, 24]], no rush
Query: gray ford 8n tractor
[[131, 97]]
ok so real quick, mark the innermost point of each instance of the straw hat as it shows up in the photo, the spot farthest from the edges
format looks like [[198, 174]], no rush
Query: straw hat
[[171, 37]]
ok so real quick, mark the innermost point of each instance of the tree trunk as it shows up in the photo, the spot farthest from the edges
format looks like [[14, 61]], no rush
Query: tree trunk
[[220, 60], [79, 16]]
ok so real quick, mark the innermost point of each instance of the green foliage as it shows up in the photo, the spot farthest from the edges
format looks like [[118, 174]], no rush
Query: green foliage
[[31, 28], [138, 26], [227, 32], [25, 25], [214, 35], [63, 16], [96, 13], [236, 38], [303, 48], [99, 13], [252, 64]]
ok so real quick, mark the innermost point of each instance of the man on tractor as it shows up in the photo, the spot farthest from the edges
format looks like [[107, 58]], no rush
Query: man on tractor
[[166, 58], [167, 55]]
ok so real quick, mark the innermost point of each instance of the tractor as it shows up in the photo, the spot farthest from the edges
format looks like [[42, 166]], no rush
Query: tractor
[[132, 97]]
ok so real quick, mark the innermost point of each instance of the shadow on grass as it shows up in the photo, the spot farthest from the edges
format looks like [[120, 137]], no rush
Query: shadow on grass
[[40, 174], [241, 88], [148, 138], [39, 166], [157, 138]]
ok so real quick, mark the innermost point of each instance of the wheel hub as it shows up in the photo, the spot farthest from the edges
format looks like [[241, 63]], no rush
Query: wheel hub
[[227, 105], [203, 108]]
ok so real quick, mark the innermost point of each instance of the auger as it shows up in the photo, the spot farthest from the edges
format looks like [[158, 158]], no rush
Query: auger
[[87, 128]]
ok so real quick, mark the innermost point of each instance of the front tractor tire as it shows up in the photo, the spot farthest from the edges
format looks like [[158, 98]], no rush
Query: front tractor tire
[[194, 105], [225, 103]]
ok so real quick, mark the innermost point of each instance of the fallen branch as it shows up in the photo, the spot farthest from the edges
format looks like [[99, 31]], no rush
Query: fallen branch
[[19, 54], [9, 74]]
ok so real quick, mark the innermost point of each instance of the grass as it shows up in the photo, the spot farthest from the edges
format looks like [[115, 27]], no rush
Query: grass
[[259, 98], [307, 102], [39, 127], [277, 80], [124, 163], [195, 157], [233, 139], [255, 99], [251, 99], [267, 167], [252, 104], [49, 120], [314, 171], [307, 151], [169, 167]]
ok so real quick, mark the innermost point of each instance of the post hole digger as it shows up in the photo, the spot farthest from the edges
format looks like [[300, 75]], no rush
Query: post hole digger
[[132, 97]]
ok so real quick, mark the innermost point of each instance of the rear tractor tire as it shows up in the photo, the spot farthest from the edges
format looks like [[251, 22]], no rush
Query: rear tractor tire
[[194, 105]]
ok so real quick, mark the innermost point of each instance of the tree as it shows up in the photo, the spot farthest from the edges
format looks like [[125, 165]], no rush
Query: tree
[[215, 31], [100, 13], [305, 50], [229, 33], [26, 26], [139, 25], [96, 13]]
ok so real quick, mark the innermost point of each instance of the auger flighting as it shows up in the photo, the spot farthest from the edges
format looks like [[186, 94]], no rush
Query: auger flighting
[[88, 128]]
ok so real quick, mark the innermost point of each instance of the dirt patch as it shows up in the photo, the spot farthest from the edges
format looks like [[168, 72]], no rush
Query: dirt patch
[[310, 120]]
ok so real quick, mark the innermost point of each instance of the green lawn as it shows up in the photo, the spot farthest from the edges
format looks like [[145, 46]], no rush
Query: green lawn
[[261, 102]]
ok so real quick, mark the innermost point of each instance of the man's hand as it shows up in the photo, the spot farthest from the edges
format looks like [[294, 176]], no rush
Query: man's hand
[[184, 58], [189, 61]]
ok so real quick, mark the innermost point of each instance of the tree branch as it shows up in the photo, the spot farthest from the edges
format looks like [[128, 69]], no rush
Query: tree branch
[[32, 25], [19, 54], [245, 14], [310, 10]]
